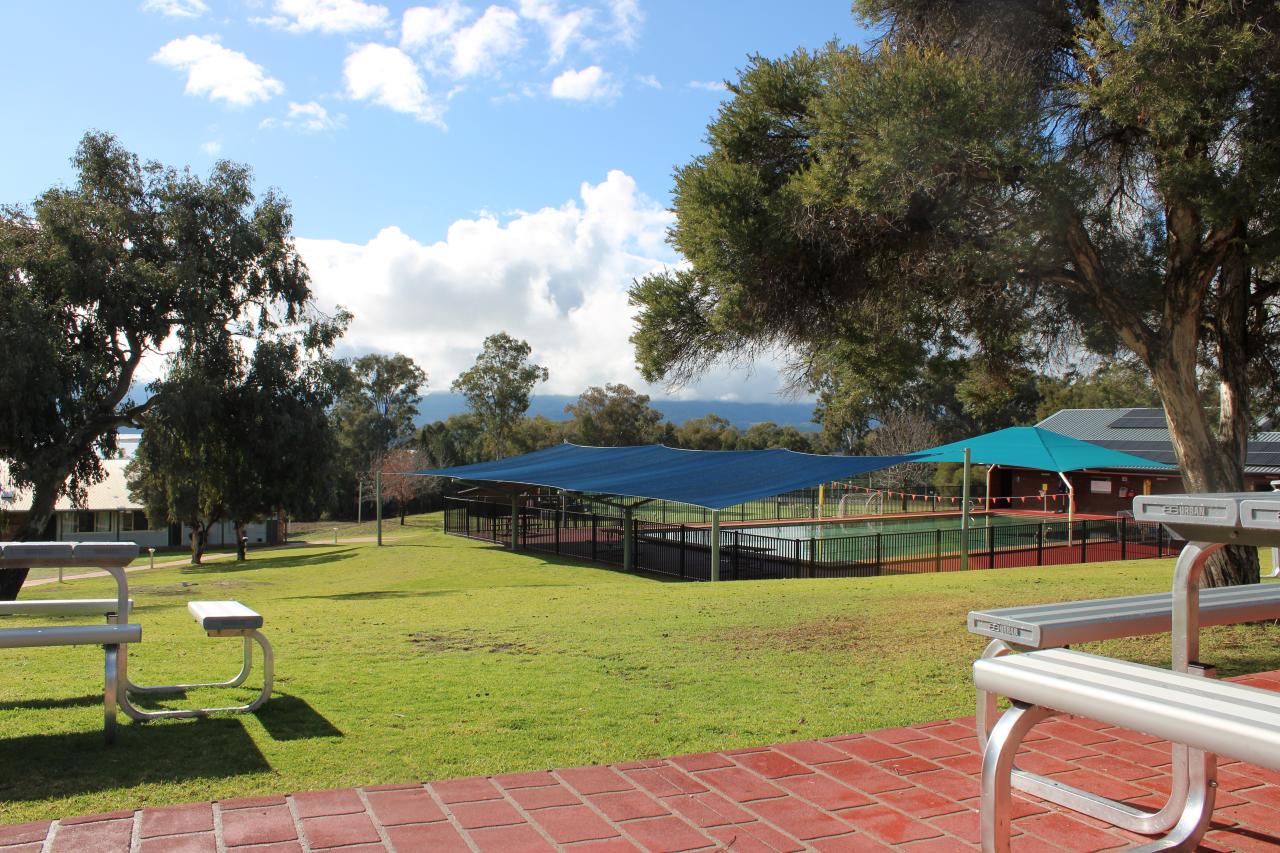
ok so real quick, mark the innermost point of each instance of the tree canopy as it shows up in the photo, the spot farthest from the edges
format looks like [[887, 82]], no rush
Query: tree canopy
[[613, 416], [999, 184], [96, 276], [497, 388]]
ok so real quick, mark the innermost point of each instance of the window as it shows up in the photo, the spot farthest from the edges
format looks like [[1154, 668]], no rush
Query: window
[[102, 521], [134, 520]]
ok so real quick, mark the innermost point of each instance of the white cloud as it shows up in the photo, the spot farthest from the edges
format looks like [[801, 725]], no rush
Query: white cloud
[[627, 19], [590, 84], [424, 26], [477, 48], [649, 80], [707, 85], [218, 72], [556, 277], [311, 117], [387, 76], [213, 147], [327, 16], [560, 28], [176, 8]]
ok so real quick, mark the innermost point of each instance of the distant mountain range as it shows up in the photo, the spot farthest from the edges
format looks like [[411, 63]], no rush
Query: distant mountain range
[[437, 407]]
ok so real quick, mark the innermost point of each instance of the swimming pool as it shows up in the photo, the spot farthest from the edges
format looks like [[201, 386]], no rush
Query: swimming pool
[[863, 527]]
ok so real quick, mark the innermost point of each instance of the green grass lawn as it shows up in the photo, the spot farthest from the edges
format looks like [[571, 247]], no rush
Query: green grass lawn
[[436, 657]]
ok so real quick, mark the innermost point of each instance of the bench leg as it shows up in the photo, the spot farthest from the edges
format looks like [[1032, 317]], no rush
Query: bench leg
[[140, 689], [1132, 818], [997, 769], [110, 689], [268, 675]]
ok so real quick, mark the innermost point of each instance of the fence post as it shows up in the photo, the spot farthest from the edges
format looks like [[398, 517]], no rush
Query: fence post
[[555, 519], [879, 555], [937, 549], [1040, 545], [1084, 541], [1124, 538], [682, 551], [813, 503], [594, 519], [1159, 540], [813, 557], [737, 551], [991, 545]]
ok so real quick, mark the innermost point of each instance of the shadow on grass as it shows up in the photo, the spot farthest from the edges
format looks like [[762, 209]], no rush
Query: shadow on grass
[[48, 766], [570, 562], [48, 704], [374, 595], [288, 717], [289, 561]]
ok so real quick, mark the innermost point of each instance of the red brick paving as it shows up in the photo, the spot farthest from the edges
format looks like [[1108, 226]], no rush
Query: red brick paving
[[907, 789]]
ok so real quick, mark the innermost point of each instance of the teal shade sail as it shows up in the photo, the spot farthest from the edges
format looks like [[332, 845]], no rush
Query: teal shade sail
[[1034, 447]]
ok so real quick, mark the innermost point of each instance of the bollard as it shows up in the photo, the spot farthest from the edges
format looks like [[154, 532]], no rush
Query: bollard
[[152, 553], [335, 536]]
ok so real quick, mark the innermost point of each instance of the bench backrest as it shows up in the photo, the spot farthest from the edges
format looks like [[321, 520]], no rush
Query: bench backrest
[[70, 635]]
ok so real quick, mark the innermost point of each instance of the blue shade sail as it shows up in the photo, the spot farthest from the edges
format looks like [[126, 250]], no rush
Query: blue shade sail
[[708, 478]]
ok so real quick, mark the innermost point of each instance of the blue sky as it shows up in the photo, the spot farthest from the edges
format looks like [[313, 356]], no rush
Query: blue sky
[[455, 168]]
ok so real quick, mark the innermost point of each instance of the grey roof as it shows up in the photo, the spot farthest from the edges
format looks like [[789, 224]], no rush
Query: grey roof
[[1144, 432]]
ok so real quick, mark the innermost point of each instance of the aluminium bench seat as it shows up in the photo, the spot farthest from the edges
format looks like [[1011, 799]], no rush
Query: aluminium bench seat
[[217, 619], [62, 607], [1215, 717], [1041, 626]]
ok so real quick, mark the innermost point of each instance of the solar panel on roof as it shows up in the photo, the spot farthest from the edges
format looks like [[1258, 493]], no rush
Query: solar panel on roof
[[1142, 421]]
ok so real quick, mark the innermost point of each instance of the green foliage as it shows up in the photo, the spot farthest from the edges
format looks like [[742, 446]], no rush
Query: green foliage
[[497, 388], [459, 440], [377, 402], [239, 441], [1114, 385], [97, 275], [926, 223], [613, 416]]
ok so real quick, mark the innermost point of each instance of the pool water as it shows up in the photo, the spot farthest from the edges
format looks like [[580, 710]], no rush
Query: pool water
[[924, 521]]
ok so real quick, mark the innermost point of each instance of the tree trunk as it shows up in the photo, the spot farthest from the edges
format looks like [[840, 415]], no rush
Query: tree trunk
[[44, 496], [197, 543], [402, 510], [1207, 465], [241, 543]]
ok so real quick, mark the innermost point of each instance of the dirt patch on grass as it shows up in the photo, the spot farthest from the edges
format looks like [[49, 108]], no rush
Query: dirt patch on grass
[[830, 633], [465, 642], [190, 588]]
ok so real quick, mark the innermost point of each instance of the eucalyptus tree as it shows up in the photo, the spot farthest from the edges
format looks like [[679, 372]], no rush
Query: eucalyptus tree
[[497, 388], [96, 276], [1000, 179]]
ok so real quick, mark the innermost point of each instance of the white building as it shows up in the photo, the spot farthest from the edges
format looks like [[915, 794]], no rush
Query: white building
[[110, 514]]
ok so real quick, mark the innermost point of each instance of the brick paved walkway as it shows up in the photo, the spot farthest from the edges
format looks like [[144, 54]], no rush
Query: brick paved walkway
[[912, 789]]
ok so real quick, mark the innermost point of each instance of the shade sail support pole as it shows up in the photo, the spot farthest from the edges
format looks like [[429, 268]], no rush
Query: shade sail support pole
[[715, 544], [964, 513], [629, 539], [1071, 506], [515, 521]]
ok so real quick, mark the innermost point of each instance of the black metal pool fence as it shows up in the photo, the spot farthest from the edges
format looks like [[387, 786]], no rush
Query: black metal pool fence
[[684, 550]]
